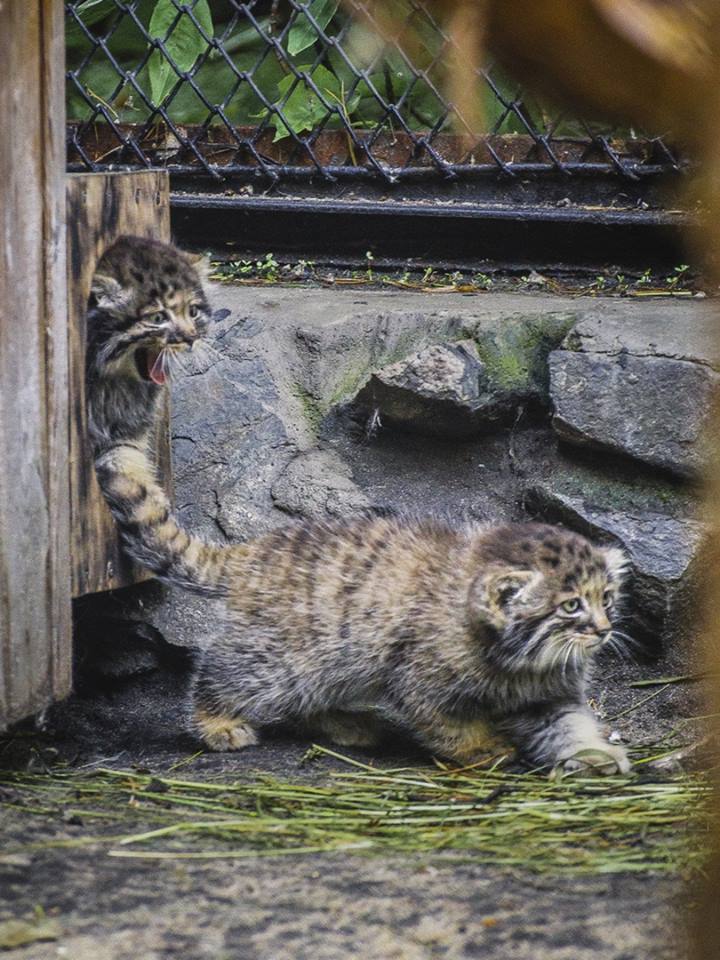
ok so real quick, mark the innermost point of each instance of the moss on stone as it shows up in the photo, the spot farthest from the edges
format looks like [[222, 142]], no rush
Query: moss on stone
[[628, 494], [352, 382], [516, 355], [312, 409], [357, 374]]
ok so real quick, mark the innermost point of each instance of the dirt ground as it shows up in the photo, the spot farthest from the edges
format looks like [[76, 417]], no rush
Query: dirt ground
[[324, 907], [333, 907]]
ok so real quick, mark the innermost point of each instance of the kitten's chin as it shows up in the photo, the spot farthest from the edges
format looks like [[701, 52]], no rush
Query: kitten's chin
[[590, 646]]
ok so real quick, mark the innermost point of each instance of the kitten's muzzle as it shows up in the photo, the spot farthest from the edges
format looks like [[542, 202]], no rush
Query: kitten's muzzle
[[181, 338]]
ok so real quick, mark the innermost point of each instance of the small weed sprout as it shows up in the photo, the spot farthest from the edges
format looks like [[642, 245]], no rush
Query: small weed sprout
[[369, 259], [645, 278], [482, 281], [242, 267], [677, 276], [268, 268], [303, 269]]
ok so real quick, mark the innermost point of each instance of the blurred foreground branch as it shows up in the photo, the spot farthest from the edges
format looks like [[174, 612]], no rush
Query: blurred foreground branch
[[656, 64], [642, 61]]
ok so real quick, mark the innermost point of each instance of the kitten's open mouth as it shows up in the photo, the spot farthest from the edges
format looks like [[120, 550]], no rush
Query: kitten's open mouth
[[150, 366]]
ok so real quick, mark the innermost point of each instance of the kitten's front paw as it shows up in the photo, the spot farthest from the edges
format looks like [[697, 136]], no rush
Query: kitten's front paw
[[605, 761]]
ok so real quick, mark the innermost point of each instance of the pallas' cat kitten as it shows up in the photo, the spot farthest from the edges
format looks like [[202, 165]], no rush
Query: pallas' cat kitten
[[448, 631]]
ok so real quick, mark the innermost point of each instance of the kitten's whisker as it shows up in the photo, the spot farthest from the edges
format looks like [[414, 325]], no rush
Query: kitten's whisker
[[623, 646], [206, 351], [625, 641], [165, 362]]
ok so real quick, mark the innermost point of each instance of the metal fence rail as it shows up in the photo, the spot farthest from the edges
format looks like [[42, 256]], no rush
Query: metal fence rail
[[283, 91]]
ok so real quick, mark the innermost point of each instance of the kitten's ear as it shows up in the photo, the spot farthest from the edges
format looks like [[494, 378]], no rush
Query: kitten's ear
[[617, 562], [201, 263], [493, 591], [107, 291]]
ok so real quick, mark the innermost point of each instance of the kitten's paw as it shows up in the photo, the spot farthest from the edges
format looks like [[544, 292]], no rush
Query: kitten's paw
[[222, 733], [605, 761]]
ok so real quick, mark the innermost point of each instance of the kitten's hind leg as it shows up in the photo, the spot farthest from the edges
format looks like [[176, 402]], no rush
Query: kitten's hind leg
[[217, 714], [224, 731], [464, 741], [347, 729]]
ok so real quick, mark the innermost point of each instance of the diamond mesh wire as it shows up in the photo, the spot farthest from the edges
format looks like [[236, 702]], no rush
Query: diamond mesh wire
[[287, 90]]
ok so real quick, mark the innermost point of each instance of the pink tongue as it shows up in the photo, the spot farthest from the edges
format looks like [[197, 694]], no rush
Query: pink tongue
[[156, 372]]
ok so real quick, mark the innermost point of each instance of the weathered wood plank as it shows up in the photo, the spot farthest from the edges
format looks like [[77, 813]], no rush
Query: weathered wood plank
[[35, 642], [101, 207]]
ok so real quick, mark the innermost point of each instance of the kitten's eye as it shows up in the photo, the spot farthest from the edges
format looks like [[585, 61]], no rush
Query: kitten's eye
[[571, 606], [194, 311], [608, 598], [156, 319]]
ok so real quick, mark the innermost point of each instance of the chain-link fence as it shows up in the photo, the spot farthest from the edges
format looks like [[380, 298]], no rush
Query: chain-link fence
[[291, 91]]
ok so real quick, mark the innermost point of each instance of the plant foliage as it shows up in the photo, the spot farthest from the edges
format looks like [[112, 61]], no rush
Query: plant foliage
[[273, 68]]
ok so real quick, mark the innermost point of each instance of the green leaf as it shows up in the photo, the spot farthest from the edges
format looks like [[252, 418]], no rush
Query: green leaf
[[303, 109], [90, 12], [215, 79], [302, 33], [183, 42], [243, 38]]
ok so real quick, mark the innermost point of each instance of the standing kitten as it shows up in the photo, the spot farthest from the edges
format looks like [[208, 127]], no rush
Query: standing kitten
[[336, 628]]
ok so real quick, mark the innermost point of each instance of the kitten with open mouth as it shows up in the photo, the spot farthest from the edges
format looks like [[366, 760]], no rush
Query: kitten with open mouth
[[147, 310]]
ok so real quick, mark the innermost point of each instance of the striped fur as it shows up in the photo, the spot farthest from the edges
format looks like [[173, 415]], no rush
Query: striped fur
[[458, 634]]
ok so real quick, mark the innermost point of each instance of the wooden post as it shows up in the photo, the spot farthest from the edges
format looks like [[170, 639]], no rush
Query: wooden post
[[100, 208], [35, 642]]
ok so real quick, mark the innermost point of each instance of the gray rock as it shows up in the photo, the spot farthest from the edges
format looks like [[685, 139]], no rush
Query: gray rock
[[472, 385], [440, 390], [338, 357], [650, 408], [229, 444], [228, 439], [639, 381], [318, 485], [654, 524], [674, 329], [515, 352], [341, 347]]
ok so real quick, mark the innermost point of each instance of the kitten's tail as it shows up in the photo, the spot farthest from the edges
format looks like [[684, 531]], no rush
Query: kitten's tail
[[151, 534]]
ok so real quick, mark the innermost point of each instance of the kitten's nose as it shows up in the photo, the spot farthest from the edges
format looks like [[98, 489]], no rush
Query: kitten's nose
[[602, 624], [181, 336]]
